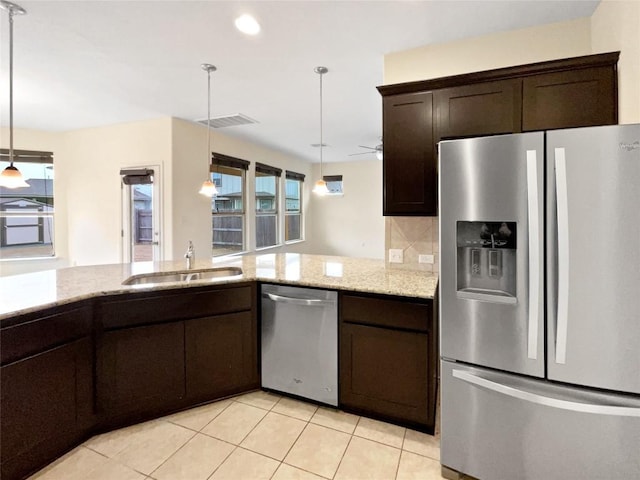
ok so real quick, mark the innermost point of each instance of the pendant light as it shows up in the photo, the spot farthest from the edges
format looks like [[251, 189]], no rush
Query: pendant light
[[208, 187], [320, 187], [11, 176]]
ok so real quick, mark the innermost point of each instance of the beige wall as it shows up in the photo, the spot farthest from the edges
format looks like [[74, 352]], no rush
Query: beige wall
[[88, 195], [615, 25], [351, 224], [505, 49], [191, 210], [89, 169]]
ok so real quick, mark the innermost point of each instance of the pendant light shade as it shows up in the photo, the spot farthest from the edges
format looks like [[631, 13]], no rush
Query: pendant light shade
[[320, 187], [208, 188], [11, 176]]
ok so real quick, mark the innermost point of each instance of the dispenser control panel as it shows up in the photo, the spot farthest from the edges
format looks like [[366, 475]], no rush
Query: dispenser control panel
[[486, 263], [487, 234]]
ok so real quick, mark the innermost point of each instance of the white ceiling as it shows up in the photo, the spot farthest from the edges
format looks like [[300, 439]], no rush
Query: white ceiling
[[91, 63]]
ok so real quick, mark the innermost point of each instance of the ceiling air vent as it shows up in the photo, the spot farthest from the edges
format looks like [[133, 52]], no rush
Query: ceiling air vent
[[228, 121]]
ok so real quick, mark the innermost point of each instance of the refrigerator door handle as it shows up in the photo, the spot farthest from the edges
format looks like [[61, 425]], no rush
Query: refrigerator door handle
[[562, 202], [535, 265], [552, 402]]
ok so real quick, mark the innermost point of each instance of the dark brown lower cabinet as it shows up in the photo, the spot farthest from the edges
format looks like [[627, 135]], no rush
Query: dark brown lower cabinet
[[388, 359], [221, 354], [47, 406], [385, 371], [158, 352], [141, 369]]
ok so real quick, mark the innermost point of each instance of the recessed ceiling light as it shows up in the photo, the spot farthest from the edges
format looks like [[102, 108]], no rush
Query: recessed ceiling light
[[247, 24]]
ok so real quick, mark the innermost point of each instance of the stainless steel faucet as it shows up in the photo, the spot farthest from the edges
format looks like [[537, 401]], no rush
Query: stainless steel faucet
[[190, 255]]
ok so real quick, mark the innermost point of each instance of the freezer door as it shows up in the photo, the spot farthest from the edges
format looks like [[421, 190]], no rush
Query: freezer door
[[593, 261], [492, 251], [501, 426]]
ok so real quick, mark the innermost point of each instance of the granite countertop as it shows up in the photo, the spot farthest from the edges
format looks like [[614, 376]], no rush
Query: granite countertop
[[34, 291]]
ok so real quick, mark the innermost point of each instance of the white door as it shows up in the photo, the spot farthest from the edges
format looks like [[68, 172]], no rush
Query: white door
[[141, 229]]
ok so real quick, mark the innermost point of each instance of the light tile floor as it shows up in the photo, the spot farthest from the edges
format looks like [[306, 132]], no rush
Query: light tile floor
[[254, 436]]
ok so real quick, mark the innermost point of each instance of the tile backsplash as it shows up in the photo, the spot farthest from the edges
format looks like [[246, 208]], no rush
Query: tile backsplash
[[415, 236]]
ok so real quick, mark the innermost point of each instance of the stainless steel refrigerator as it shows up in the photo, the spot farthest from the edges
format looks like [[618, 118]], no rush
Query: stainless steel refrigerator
[[540, 304]]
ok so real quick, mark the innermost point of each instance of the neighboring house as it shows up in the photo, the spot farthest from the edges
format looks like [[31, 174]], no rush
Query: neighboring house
[[230, 202], [141, 201], [25, 214]]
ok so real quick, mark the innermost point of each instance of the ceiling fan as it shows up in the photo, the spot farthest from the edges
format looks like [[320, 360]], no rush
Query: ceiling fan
[[377, 150]]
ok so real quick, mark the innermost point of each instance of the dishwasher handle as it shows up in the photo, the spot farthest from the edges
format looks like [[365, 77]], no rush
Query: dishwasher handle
[[310, 302]]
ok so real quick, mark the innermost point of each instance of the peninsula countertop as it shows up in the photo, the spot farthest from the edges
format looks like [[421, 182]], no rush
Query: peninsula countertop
[[34, 291]]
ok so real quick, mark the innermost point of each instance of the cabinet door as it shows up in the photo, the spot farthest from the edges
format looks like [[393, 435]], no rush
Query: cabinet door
[[221, 355], [409, 166], [46, 406], [141, 369], [385, 372], [575, 98], [479, 109]]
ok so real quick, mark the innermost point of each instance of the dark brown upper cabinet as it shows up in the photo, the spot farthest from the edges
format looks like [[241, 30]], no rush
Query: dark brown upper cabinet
[[573, 92], [409, 169], [478, 109], [575, 98]]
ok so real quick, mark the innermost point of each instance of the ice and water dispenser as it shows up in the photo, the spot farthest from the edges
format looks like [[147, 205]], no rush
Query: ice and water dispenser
[[487, 261]]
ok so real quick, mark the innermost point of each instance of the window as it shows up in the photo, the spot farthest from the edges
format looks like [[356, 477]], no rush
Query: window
[[293, 206], [334, 184], [26, 213], [228, 207], [267, 205]]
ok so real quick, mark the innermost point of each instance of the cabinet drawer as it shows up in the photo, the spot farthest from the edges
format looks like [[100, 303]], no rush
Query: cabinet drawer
[[386, 312], [40, 334], [163, 307]]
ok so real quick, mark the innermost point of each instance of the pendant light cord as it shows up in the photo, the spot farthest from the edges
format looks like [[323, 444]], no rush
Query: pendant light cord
[[321, 146], [11, 87], [209, 115]]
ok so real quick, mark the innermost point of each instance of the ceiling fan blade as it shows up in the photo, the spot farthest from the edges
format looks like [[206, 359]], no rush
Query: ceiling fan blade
[[364, 146], [361, 153]]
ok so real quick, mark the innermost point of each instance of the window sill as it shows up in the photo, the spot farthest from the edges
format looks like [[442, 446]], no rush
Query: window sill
[[29, 259], [293, 242], [262, 249]]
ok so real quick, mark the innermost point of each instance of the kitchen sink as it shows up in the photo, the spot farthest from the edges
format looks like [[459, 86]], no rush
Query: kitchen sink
[[222, 273]]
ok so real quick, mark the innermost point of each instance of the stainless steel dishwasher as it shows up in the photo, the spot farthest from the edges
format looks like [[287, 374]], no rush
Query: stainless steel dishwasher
[[300, 342]]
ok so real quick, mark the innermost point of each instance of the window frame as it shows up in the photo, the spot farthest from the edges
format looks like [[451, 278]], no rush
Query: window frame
[[264, 170], [334, 179], [39, 217], [299, 178], [220, 162]]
